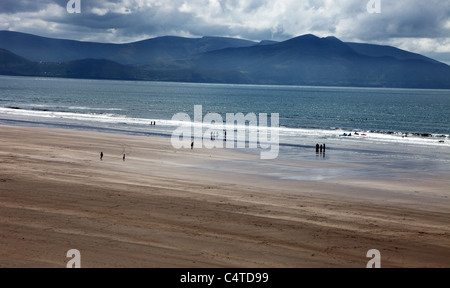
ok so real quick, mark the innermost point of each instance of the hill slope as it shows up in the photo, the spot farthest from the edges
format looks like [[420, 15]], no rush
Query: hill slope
[[36, 48], [12, 64]]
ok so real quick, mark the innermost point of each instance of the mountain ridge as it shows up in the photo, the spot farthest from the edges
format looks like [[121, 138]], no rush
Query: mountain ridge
[[302, 60], [38, 48], [310, 60]]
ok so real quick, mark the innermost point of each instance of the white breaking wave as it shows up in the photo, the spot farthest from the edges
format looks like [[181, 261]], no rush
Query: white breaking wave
[[287, 135], [93, 108]]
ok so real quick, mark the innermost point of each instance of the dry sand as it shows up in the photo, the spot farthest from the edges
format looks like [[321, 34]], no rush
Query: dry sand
[[165, 208]]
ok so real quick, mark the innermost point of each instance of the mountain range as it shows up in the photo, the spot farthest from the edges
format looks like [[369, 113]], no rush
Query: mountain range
[[303, 60]]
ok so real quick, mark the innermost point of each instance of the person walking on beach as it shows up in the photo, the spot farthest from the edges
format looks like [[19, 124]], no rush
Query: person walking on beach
[[323, 147], [101, 156], [123, 157], [192, 145], [317, 148]]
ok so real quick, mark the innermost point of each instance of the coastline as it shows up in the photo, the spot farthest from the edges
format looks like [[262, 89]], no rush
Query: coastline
[[207, 208]]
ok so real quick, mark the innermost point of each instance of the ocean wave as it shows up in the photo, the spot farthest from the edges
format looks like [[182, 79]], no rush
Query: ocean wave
[[45, 113], [59, 108], [93, 108], [287, 135]]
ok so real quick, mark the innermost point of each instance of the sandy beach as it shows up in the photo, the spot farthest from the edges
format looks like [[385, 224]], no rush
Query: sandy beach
[[163, 207]]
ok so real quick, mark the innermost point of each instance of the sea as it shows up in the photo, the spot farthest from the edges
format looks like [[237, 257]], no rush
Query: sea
[[378, 119]]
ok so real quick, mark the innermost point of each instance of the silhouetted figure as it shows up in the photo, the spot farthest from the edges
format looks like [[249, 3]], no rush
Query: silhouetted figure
[[321, 148], [101, 155], [123, 157], [192, 145], [317, 148], [324, 147], [225, 138]]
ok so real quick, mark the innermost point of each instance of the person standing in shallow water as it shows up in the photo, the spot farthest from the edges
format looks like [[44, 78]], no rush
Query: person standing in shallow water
[[317, 148], [123, 157], [101, 155]]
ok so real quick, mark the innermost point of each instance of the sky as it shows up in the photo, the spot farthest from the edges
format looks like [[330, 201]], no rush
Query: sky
[[420, 26]]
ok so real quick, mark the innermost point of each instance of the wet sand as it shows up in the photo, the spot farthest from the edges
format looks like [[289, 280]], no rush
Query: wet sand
[[205, 208]]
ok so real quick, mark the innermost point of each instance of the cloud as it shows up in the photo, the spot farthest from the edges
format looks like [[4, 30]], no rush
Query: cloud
[[21, 6], [424, 25], [425, 19]]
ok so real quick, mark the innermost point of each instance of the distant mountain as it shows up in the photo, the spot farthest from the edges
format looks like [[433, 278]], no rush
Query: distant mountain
[[309, 60], [36, 48], [96, 69], [389, 51], [12, 64], [304, 60]]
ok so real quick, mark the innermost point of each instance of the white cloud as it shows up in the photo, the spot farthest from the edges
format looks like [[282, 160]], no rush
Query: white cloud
[[34, 21], [422, 45]]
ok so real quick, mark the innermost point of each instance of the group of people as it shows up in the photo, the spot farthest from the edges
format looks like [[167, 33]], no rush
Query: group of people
[[153, 123], [101, 157], [320, 148], [215, 135]]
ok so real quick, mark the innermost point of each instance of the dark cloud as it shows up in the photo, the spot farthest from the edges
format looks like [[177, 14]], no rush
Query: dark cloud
[[425, 19], [131, 20], [18, 6]]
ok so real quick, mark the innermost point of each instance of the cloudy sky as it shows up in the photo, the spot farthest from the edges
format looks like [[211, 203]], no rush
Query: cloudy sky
[[421, 26]]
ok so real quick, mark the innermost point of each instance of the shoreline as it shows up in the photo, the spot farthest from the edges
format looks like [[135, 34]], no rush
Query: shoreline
[[206, 208], [142, 126]]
